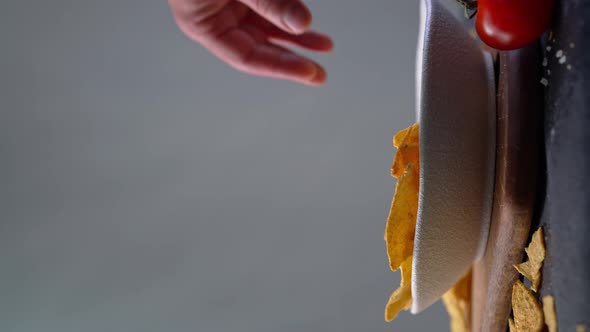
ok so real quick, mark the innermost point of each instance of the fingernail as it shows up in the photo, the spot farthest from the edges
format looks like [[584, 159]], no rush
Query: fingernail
[[296, 18], [320, 76]]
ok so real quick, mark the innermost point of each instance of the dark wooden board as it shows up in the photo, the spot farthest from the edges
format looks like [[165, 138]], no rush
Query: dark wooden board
[[519, 110]]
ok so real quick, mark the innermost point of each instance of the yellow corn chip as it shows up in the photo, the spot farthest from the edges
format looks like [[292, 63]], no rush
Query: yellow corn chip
[[401, 299], [511, 326], [526, 310], [549, 312], [531, 269], [581, 328], [457, 300], [408, 151], [401, 223], [410, 135]]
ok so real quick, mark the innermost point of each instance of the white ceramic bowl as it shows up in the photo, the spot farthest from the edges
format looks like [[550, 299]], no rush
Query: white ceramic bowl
[[457, 114]]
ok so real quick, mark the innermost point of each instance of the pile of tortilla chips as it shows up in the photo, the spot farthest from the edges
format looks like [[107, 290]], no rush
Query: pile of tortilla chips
[[400, 230], [526, 309]]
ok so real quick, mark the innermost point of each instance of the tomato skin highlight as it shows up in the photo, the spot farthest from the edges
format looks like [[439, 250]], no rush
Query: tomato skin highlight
[[512, 24]]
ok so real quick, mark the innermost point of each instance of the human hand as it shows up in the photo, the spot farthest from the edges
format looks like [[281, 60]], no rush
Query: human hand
[[246, 34]]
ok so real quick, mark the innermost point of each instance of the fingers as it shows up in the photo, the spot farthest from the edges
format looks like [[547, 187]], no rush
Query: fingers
[[289, 15], [242, 34], [274, 61], [312, 40], [247, 52]]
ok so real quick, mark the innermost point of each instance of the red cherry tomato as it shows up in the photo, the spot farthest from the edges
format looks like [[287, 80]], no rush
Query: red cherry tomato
[[512, 24]]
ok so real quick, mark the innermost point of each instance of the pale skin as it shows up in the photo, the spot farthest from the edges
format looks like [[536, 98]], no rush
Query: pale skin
[[250, 36]]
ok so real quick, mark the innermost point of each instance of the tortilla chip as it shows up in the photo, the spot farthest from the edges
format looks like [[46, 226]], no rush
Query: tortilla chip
[[549, 312], [511, 326], [581, 328], [531, 269], [457, 300], [408, 151], [526, 310], [401, 299], [410, 135], [401, 223]]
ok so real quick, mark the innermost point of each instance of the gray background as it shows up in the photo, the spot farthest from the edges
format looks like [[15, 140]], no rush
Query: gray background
[[145, 186]]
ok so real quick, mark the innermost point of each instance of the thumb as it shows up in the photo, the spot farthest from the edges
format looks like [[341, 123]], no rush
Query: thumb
[[289, 15]]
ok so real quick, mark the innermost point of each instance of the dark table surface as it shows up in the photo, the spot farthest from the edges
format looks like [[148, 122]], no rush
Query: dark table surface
[[563, 204]]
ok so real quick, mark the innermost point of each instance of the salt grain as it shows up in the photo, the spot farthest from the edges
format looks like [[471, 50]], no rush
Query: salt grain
[[569, 67], [572, 45], [548, 72], [548, 48], [559, 53], [544, 62], [562, 60], [544, 81]]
